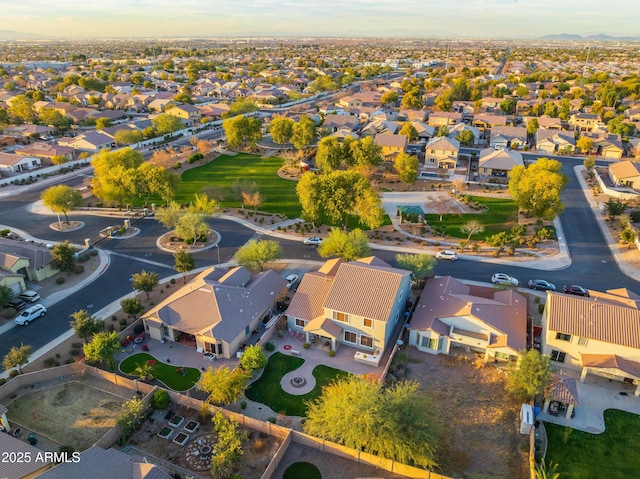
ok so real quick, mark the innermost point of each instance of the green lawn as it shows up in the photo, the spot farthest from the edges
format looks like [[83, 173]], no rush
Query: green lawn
[[166, 373], [222, 173], [302, 469], [267, 390], [501, 215], [612, 454]]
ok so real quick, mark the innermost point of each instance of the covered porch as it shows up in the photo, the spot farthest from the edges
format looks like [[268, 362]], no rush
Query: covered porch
[[613, 367], [323, 333], [561, 397]]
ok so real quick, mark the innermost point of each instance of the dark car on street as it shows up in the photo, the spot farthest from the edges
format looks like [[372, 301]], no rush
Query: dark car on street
[[575, 289], [541, 284]]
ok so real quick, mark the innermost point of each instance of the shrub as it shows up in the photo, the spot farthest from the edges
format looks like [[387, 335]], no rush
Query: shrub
[[74, 352], [5, 233], [59, 280], [332, 353], [49, 361], [2, 380], [160, 399], [93, 252], [114, 318], [270, 347], [13, 373], [540, 308], [79, 269], [9, 313], [70, 361], [306, 345], [271, 419], [243, 404], [138, 328], [173, 281], [177, 165], [123, 321]]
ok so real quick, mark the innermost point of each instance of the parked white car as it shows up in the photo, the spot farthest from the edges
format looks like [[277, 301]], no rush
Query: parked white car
[[31, 313], [314, 241], [447, 254], [504, 278], [291, 280], [29, 296]]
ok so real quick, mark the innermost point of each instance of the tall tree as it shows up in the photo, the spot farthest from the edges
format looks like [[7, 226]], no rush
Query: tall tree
[[348, 246], [112, 172], [389, 98], [85, 325], [329, 154], [145, 281], [253, 358], [169, 215], [281, 129], [365, 152], [223, 385], [61, 199], [309, 191], [409, 131], [241, 130], [255, 254], [228, 450], [466, 137], [397, 422], [16, 357], [166, 124], [102, 348], [407, 167], [6, 294], [63, 257], [420, 265], [22, 109], [531, 377], [184, 262], [304, 132], [191, 226], [584, 144], [532, 126], [131, 307], [537, 188]]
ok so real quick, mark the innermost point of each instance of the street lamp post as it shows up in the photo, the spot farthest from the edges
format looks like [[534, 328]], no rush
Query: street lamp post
[[218, 250]]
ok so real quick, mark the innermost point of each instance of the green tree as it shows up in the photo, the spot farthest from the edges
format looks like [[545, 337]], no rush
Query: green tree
[[61, 198], [341, 192], [145, 371], [54, 119], [145, 281], [407, 167], [396, 422], [22, 109], [499, 240], [507, 106], [629, 236], [241, 106], [532, 126], [365, 152], [223, 385], [389, 98], [169, 215], [444, 102], [102, 123], [584, 144], [348, 246], [130, 416], [619, 126], [112, 175], [589, 162], [466, 137], [531, 377], [184, 262], [409, 131], [16, 357], [329, 154], [131, 307], [253, 358], [63, 257], [615, 207], [420, 265], [128, 137], [472, 227], [281, 129], [102, 348], [537, 188], [59, 159], [442, 131], [166, 124], [255, 254], [412, 100], [6, 294], [147, 180], [191, 226], [228, 449], [241, 130], [309, 191], [368, 209], [304, 132], [85, 325]]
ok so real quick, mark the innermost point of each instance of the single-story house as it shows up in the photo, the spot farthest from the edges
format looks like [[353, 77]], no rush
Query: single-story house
[[340, 122], [625, 173], [598, 335], [553, 141], [40, 149], [92, 141], [31, 260], [10, 163], [444, 118], [28, 130], [500, 162], [218, 310], [514, 137], [13, 447], [356, 303]]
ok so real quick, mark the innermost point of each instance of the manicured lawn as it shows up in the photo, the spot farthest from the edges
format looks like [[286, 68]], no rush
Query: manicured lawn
[[166, 373], [302, 469], [501, 215], [222, 173], [267, 390], [612, 454]]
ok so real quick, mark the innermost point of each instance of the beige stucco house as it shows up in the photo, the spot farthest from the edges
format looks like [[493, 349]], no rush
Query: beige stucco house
[[598, 335], [625, 173], [554, 141], [444, 118], [441, 152], [357, 304], [391, 144], [494, 162], [453, 314], [218, 310], [29, 260]]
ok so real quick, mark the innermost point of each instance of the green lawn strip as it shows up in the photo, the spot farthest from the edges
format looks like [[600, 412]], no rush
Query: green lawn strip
[[267, 390], [166, 373], [302, 469], [612, 454], [225, 171], [501, 215]]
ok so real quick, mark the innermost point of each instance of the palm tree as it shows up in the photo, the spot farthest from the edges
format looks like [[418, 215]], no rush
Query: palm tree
[[544, 472], [144, 371]]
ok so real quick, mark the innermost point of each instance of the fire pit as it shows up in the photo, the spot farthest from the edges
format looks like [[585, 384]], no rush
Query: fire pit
[[298, 382]]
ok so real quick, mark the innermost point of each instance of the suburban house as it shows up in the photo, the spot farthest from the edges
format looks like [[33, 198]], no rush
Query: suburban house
[[425, 132], [16, 447], [454, 132], [608, 145], [508, 137], [444, 118], [10, 163], [442, 152], [486, 121], [453, 314], [625, 173], [584, 121], [28, 130], [189, 113], [377, 126], [598, 335], [554, 141], [27, 259], [391, 144], [340, 122], [218, 311], [348, 102], [500, 162], [92, 142], [548, 122], [40, 149], [356, 303]]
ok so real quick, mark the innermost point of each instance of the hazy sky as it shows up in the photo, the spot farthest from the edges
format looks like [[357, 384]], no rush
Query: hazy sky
[[372, 18]]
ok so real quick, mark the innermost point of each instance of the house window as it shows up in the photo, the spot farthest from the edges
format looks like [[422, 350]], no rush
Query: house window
[[431, 343], [301, 322], [247, 330], [366, 341], [368, 323], [582, 341], [558, 356], [350, 337], [563, 337], [503, 356], [342, 317]]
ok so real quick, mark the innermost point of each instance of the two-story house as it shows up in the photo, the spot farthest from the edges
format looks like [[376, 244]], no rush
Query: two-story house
[[441, 152], [189, 113], [554, 141], [391, 144]]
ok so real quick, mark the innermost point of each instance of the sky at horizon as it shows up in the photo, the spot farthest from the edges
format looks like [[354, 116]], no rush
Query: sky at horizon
[[318, 18]]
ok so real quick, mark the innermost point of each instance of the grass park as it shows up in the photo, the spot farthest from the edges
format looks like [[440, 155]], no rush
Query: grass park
[[612, 454], [174, 377], [267, 390]]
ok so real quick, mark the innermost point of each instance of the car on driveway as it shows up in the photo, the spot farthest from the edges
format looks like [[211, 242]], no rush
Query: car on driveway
[[31, 313], [291, 280], [575, 289], [447, 254], [313, 241], [17, 304], [505, 279], [541, 284], [29, 296]]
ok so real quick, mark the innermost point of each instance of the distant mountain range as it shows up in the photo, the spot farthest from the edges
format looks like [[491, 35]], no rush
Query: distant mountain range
[[11, 35], [598, 37]]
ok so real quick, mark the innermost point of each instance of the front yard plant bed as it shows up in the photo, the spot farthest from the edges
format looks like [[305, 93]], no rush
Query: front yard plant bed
[[174, 377], [267, 390]]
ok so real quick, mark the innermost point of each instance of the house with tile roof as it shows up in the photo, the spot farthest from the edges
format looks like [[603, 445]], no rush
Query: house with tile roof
[[189, 113], [584, 121], [444, 118], [335, 122], [453, 314], [553, 141], [219, 309], [356, 304], [499, 162], [27, 259], [11, 163], [598, 335], [21, 469], [40, 149], [608, 145], [441, 152], [91, 141], [625, 173], [391, 144], [514, 137]]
